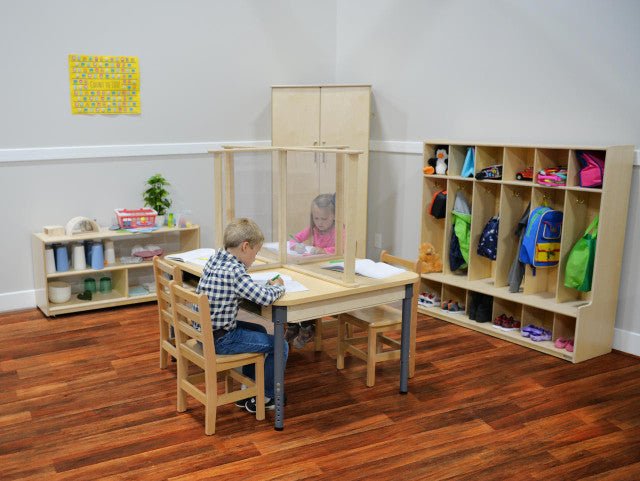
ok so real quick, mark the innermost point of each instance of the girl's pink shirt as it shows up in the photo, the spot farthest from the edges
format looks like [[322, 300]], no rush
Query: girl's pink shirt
[[325, 240]]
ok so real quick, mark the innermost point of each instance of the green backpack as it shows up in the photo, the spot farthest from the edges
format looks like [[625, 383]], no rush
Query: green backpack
[[579, 270]]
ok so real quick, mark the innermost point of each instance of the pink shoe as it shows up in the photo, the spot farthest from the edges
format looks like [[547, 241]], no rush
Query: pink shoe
[[569, 345], [561, 343]]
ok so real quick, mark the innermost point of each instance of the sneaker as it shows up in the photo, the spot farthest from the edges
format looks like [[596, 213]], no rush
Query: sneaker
[[306, 334], [241, 402], [292, 332], [269, 405]]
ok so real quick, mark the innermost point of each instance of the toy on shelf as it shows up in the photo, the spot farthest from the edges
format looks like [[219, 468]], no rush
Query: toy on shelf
[[430, 259], [493, 172], [134, 218], [553, 177], [80, 225], [526, 174], [439, 164]]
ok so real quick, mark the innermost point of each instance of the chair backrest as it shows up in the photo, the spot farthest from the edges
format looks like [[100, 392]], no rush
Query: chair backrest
[[192, 322], [164, 273]]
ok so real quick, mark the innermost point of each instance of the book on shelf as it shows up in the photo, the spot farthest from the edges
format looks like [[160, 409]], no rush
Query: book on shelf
[[367, 268], [196, 256]]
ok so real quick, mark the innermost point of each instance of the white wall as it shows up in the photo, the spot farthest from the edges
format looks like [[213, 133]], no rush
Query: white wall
[[529, 72]]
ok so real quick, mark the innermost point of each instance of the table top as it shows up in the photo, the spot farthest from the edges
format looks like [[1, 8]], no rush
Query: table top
[[318, 281]]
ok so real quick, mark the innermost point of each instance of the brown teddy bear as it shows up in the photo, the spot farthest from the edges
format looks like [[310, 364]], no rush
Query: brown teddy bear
[[431, 261]]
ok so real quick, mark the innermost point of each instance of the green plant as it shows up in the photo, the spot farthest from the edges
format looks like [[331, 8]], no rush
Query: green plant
[[157, 196]]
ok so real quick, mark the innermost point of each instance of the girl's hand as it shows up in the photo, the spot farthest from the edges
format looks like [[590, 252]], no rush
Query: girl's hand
[[317, 250], [299, 248]]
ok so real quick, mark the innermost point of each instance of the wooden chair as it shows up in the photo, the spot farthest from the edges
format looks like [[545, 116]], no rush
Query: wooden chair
[[164, 273], [376, 321], [197, 347]]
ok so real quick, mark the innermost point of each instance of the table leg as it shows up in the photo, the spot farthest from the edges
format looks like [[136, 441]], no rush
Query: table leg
[[405, 338], [279, 316]]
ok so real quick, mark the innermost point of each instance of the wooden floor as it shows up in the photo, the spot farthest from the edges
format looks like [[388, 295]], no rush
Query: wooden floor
[[82, 398]]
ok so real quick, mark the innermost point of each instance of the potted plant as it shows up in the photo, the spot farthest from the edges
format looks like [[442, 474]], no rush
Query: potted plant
[[157, 196]]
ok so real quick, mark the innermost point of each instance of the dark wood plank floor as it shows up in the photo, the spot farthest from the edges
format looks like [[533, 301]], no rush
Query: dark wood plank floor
[[82, 398]]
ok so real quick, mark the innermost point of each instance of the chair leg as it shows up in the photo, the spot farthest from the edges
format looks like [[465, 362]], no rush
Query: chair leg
[[341, 343], [318, 339], [371, 357], [211, 406], [164, 355], [260, 389], [181, 395]]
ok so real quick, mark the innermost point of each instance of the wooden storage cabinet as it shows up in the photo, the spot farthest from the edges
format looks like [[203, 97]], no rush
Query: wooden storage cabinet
[[543, 299], [123, 276], [321, 116]]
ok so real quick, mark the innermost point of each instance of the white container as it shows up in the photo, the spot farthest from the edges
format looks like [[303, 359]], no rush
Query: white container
[[59, 291], [50, 259], [79, 261], [109, 253]]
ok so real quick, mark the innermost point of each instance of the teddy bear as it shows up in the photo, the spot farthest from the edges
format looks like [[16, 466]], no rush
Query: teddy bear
[[430, 259], [439, 164]]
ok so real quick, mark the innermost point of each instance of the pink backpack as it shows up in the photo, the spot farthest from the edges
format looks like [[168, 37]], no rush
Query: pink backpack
[[592, 172]]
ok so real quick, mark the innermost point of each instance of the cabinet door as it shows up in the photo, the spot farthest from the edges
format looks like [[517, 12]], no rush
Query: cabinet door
[[296, 122], [344, 120]]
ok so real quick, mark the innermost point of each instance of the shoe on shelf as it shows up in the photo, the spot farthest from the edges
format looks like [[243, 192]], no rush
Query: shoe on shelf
[[306, 334], [531, 329], [455, 308], [497, 322], [474, 302], [445, 305], [545, 335], [510, 324], [269, 405], [561, 342], [569, 345], [483, 312], [292, 332]]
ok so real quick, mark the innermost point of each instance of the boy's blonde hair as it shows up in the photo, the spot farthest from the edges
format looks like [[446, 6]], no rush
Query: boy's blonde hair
[[242, 230]]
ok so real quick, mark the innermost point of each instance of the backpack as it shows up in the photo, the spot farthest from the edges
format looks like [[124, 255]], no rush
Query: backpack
[[578, 272], [438, 206], [592, 172], [456, 260], [488, 244], [541, 242]]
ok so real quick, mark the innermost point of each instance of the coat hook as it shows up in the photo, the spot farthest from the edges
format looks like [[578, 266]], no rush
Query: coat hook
[[580, 201]]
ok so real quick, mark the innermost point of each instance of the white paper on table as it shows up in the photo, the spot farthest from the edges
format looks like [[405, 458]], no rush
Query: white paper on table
[[197, 256], [367, 268], [275, 247], [290, 285]]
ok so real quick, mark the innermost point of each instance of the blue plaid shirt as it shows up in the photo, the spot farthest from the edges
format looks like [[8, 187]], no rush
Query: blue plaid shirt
[[225, 281]]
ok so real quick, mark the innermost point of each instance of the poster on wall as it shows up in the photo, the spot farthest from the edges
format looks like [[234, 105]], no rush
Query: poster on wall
[[102, 84]]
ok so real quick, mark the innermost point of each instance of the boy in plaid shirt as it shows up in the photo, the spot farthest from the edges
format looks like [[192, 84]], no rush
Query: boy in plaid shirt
[[225, 281]]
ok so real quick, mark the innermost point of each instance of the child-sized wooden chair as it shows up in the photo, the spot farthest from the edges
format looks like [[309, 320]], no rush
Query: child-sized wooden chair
[[376, 321], [197, 347], [164, 273]]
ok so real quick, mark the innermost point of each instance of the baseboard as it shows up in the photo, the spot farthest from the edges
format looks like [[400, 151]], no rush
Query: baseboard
[[15, 301], [626, 341]]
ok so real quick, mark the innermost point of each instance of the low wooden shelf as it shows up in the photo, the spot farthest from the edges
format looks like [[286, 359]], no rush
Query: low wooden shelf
[[123, 276]]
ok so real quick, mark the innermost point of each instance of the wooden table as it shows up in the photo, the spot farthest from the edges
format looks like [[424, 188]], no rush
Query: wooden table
[[326, 298]]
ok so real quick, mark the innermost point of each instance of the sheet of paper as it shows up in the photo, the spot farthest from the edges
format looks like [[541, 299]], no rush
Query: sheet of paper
[[367, 268], [275, 247], [197, 256], [290, 285]]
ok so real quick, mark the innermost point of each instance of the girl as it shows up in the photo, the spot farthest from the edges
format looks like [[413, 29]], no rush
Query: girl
[[322, 231]]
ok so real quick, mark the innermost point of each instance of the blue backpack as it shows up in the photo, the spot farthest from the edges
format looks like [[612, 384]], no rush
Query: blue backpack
[[541, 242], [488, 244]]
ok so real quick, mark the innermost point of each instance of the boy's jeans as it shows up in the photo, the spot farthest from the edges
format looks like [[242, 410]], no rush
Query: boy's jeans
[[250, 337]]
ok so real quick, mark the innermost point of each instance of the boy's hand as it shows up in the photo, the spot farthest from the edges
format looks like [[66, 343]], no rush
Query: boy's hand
[[277, 281]]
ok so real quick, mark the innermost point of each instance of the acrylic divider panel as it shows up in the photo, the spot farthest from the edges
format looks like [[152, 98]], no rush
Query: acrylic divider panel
[[580, 208], [486, 202], [544, 281], [453, 187], [432, 228], [487, 156], [513, 204], [517, 160]]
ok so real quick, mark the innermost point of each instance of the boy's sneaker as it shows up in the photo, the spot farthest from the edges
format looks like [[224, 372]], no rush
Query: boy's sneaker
[[241, 402], [305, 335], [292, 332], [269, 405]]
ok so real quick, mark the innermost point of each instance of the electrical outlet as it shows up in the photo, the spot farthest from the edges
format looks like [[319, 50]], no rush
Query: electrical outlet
[[377, 241]]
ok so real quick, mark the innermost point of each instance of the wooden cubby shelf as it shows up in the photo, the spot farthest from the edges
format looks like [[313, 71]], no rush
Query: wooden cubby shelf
[[123, 276], [543, 299]]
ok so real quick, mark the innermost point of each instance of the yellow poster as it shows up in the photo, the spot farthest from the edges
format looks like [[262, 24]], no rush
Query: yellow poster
[[104, 84]]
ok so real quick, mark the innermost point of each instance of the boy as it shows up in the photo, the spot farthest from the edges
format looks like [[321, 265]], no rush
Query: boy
[[225, 281]]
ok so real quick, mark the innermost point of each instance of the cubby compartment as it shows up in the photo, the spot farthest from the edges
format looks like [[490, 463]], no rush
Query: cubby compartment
[[82, 282], [432, 228], [518, 163], [564, 327], [486, 204], [454, 294], [140, 283], [428, 287], [532, 316], [507, 308], [549, 158], [487, 156], [580, 209], [453, 188], [457, 156], [573, 169], [513, 205], [430, 153]]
